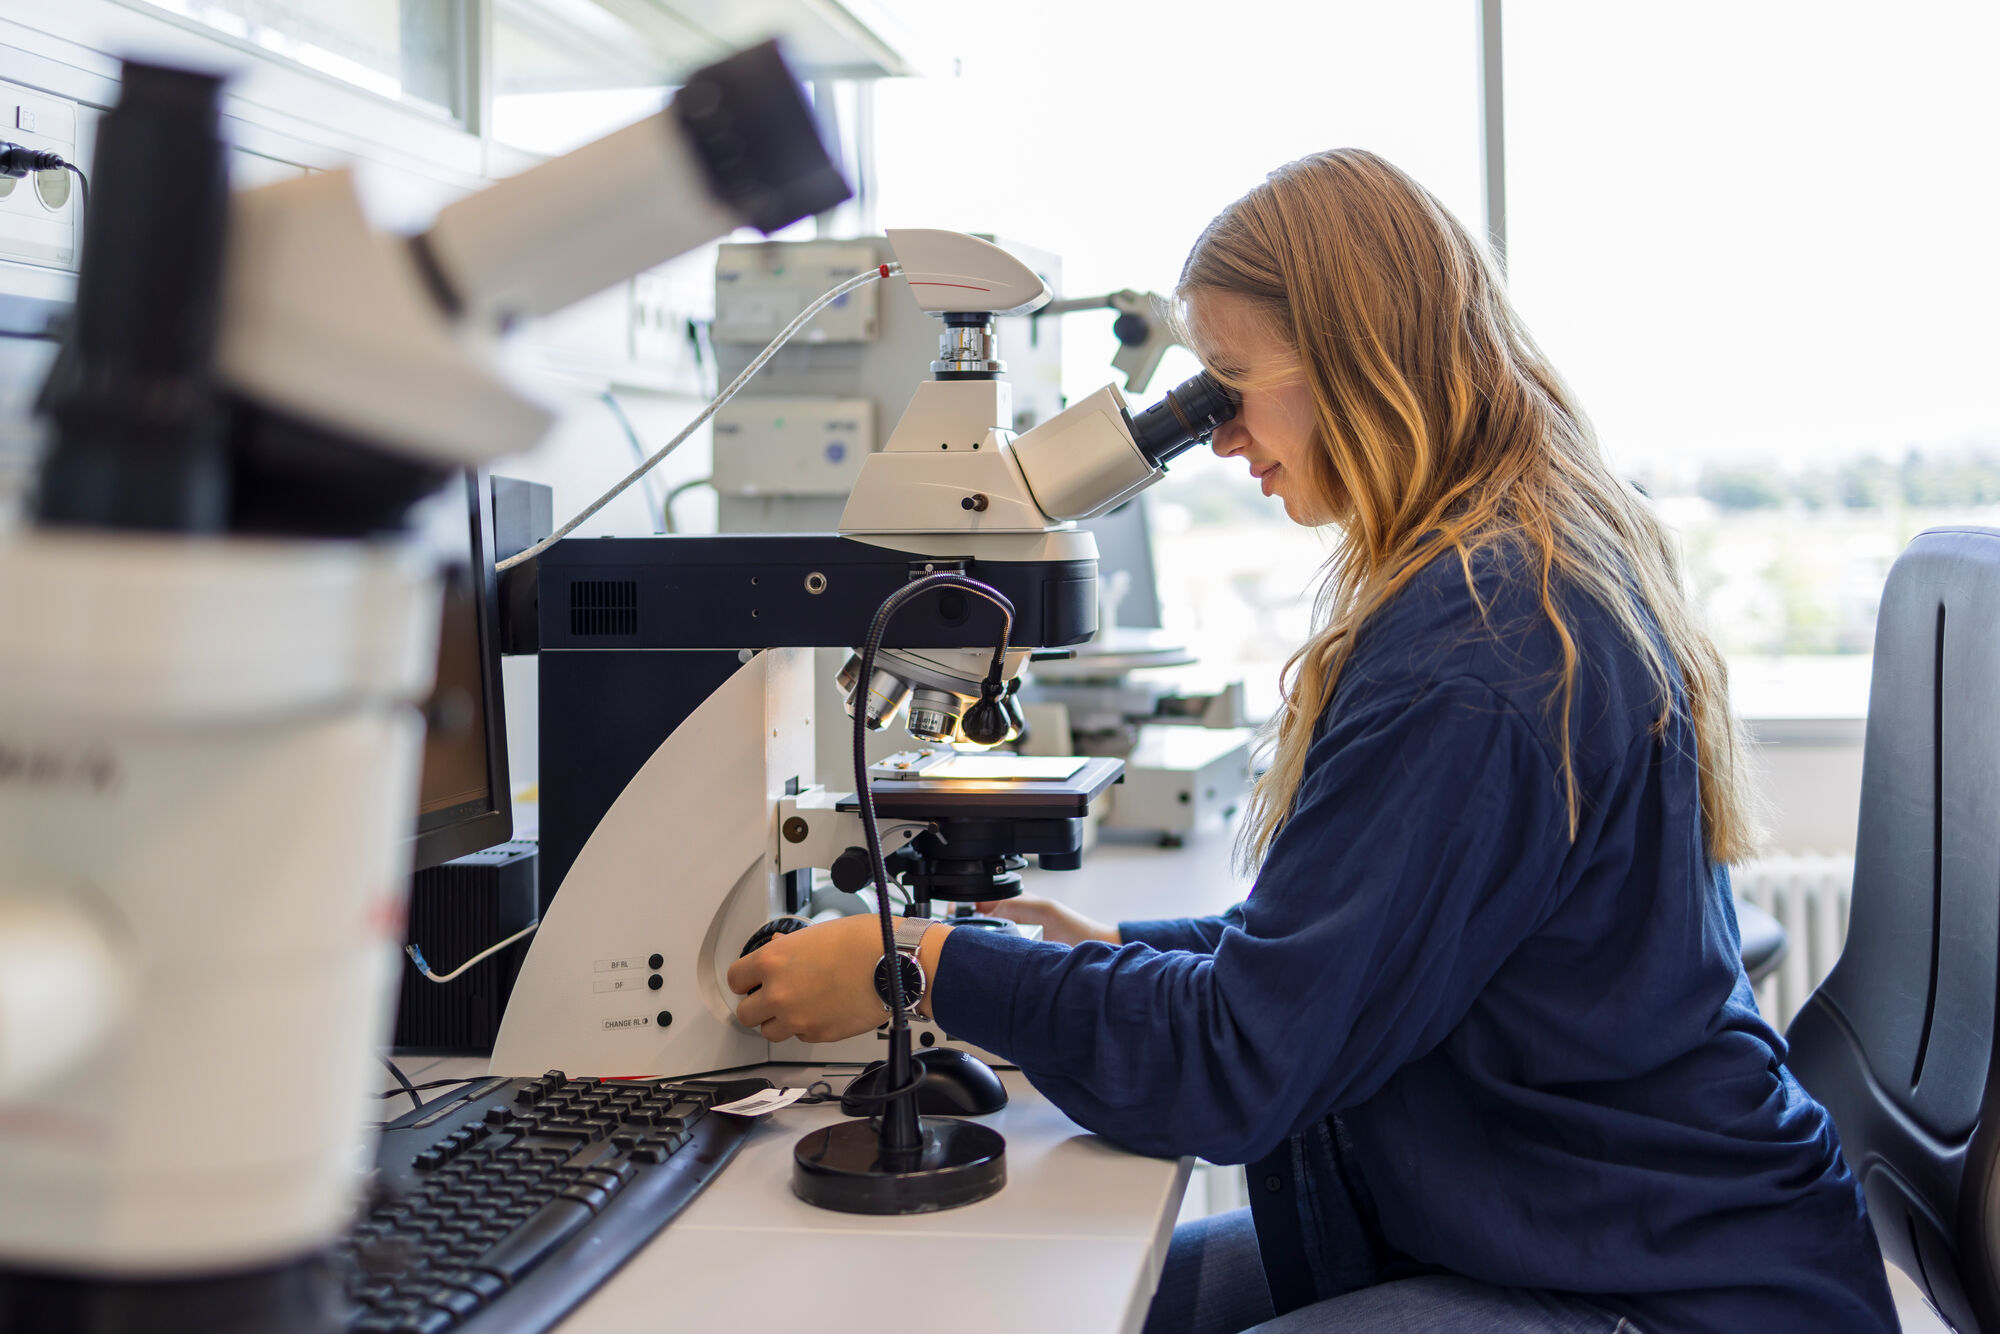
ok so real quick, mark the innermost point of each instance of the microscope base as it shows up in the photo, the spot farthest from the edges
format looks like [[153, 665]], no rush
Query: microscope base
[[843, 1168]]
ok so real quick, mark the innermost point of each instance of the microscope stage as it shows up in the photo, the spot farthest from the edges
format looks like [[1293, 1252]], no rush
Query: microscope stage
[[1028, 796]]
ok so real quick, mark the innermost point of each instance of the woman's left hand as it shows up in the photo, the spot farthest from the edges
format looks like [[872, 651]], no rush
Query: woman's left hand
[[817, 984]]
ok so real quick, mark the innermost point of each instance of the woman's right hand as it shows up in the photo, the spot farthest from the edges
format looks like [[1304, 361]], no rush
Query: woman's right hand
[[1061, 924]]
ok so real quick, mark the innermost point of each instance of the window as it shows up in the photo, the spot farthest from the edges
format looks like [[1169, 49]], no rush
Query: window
[[1756, 240], [567, 71], [1111, 135], [410, 50]]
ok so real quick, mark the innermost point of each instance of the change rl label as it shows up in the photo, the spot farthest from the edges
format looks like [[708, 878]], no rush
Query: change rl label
[[640, 1021]]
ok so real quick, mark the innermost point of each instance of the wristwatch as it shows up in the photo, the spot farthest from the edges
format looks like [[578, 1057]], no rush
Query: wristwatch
[[909, 934]]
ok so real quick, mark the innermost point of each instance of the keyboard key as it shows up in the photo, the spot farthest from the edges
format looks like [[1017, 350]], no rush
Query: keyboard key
[[596, 1197], [455, 1300], [482, 1285], [426, 1320], [574, 1133], [608, 1182], [551, 1225]]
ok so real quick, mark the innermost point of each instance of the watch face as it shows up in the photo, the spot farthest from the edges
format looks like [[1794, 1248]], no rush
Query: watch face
[[913, 980]]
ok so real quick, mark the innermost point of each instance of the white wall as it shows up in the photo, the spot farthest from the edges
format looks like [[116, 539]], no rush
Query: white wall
[[1810, 772]]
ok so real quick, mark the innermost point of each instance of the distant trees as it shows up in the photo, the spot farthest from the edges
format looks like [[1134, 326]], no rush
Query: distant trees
[[1920, 480]]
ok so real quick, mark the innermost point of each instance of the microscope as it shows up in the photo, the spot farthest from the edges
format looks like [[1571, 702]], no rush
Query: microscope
[[682, 819], [217, 635]]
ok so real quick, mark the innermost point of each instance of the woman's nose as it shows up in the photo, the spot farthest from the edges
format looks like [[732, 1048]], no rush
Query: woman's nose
[[1228, 439]]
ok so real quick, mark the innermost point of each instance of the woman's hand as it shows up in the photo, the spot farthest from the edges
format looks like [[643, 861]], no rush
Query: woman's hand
[[1064, 925], [817, 984]]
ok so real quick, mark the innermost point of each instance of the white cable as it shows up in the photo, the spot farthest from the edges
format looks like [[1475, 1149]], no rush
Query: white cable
[[770, 350], [417, 955]]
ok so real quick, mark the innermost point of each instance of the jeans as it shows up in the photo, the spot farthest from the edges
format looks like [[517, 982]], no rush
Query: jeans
[[1213, 1283]]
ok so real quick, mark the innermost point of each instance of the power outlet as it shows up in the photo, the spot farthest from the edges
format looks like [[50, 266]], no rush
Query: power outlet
[[40, 214]]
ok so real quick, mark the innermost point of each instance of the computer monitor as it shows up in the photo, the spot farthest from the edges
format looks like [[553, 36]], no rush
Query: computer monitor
[[1125, 544], [464, 803]]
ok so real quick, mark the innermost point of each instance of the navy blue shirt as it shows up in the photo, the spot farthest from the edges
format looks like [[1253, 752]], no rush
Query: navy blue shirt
[[1539, 1053]]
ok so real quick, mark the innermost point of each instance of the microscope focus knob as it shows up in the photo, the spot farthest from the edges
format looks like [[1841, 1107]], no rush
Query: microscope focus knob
[[851, 871], [777, 926]]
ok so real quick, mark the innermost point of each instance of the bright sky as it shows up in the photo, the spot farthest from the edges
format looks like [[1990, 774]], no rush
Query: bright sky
[[1111, 133], [1761, 228]]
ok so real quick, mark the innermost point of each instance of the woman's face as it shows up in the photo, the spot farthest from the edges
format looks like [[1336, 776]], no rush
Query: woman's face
[[1274, 430]]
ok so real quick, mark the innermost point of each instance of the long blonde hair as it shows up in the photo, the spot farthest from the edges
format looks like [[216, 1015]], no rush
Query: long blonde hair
[[1439, 427]]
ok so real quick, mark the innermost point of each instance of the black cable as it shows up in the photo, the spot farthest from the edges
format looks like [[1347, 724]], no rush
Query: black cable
[[428, 1086], [17, 160], [404, 1080], [899, 1012], [819, 1091]]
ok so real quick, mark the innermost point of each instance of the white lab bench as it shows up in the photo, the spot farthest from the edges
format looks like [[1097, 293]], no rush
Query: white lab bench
[[1074, 1242]]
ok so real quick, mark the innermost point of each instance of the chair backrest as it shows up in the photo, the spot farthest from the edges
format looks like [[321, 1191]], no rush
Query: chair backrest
[[1898, 1041]]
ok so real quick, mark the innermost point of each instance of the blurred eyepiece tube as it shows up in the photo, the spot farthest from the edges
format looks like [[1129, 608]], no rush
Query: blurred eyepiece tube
[[1186, 417]]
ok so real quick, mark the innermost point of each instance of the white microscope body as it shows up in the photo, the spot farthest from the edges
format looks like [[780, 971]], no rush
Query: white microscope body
[[627, 972]]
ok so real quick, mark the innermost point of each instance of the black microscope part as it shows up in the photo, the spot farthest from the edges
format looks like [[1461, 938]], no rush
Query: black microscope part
[[758, 141], [138, 436], [1186, 417], [955, 1083]]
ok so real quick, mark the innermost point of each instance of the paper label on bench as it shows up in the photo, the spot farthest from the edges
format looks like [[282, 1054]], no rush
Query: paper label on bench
[[761, 1102]]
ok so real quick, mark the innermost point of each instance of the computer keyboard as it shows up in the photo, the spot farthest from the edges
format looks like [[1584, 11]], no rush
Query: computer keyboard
[[501, 1206]]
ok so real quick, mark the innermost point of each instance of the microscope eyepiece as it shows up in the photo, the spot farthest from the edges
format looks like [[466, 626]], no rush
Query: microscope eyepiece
[[1186, 417]]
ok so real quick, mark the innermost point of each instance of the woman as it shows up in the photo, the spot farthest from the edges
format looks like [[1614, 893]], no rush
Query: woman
[[1482, 1027]]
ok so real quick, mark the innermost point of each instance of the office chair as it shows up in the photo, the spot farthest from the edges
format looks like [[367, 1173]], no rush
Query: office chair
[[1898, 1041], [1765, 943]]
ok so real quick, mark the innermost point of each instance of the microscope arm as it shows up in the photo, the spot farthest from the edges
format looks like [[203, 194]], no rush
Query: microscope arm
[[1143, 330], [812, 834], [736, 147]]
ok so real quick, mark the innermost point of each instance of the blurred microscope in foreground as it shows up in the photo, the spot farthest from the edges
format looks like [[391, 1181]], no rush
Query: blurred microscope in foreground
[[218, 631]]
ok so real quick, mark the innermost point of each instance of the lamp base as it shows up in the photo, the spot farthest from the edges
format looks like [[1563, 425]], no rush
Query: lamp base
[[846, 1169]]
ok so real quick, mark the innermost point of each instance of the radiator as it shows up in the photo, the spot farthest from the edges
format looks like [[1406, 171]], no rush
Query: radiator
[[1808, 894]]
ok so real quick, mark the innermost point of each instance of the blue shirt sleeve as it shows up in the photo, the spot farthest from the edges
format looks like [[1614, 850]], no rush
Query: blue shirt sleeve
[[1200, 935], [1427, 840]]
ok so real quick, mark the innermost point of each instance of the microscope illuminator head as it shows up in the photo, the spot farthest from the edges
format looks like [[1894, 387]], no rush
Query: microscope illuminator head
[[952, 273]]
